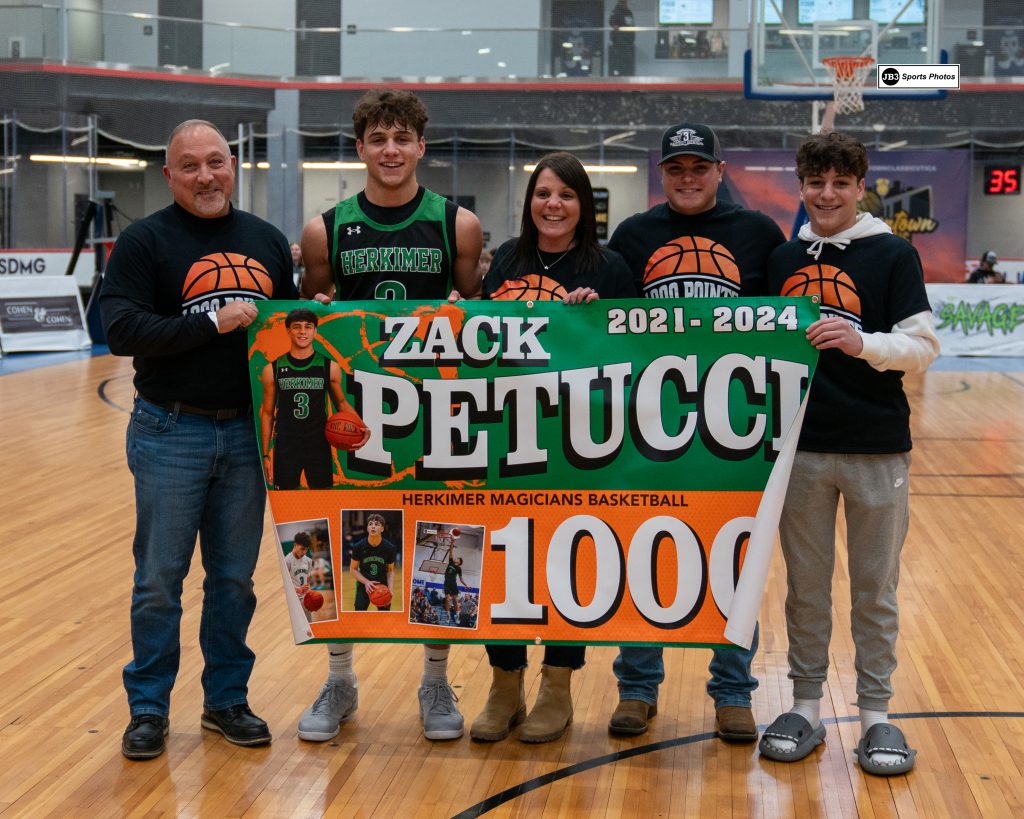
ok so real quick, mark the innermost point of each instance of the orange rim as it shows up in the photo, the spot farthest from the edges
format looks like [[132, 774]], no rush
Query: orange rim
[[846, 66]]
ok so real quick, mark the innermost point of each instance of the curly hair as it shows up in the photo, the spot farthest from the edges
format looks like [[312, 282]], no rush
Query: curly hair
[[831, 151], [385, 107]]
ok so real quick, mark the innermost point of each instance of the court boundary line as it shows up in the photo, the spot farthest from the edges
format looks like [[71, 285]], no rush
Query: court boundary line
[[507, 795]]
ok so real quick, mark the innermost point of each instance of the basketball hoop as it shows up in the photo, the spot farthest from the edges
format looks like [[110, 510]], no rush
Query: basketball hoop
[[848, 77]]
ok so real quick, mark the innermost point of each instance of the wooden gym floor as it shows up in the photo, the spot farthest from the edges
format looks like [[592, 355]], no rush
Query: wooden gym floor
[[66, 523]]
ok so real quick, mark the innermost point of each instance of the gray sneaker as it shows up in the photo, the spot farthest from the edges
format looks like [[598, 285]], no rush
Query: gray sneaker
[[440, 715], [336, 702]]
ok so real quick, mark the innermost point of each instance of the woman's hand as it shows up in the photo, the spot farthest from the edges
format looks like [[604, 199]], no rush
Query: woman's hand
[[581, 295]]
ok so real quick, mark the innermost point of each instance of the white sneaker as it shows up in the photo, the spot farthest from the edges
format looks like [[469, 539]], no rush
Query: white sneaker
[[440, 715], [336, 702]]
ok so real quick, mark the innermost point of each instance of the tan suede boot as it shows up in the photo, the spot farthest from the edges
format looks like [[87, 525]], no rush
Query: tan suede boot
[[505, 708], [552, 712]]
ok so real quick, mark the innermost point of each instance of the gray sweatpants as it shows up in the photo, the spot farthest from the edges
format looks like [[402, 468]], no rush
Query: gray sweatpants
[[876, 502]]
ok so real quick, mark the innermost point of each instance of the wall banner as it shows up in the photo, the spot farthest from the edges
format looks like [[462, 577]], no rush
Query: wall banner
[[978, 319], [535, 472], [41, 313], [48, 262], [921, 195]]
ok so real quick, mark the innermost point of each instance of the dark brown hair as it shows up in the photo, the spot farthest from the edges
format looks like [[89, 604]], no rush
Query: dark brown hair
[[386, 107], [301, 314], [831, 151]]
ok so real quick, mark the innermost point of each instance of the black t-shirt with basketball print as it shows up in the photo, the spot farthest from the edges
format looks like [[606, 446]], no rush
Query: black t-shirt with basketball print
[[611, 279], [874, 283], [719, 253], [404, 252], [165, 274]]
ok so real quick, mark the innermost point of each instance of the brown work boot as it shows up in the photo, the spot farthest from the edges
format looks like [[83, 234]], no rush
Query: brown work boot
[[734, 723], [631, 717], [505, 708], [552, 712]]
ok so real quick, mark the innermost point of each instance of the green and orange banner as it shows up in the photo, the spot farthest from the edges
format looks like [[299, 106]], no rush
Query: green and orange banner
[[536, 471]]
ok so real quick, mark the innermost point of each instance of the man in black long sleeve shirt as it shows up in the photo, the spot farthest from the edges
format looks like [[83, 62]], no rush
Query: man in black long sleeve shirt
[[177, 295]]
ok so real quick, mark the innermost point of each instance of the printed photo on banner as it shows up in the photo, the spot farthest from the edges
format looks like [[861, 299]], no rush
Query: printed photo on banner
[[448, 563], [303, 414], [306, 546], [372, 544]]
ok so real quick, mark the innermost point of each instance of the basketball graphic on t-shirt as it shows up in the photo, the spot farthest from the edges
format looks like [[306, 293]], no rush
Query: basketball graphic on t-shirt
[[226, 274], [691, 267], [834, 287], [533, 287]]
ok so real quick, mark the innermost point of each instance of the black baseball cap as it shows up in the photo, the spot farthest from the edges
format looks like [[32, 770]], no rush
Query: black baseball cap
[[690, 139], [989, 256]]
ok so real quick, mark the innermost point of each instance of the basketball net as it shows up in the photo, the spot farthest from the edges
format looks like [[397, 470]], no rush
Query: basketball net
[[848, 77]]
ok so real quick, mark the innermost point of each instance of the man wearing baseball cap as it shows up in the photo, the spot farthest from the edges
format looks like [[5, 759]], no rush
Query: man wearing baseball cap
[[985, 272], [693, 246]]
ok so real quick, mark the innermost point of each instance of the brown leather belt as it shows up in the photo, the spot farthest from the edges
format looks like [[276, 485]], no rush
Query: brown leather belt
[[217, 414]]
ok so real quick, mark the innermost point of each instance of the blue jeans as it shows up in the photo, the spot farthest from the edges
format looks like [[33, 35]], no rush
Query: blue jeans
[[193, 475], [641, 669], [513, 657]]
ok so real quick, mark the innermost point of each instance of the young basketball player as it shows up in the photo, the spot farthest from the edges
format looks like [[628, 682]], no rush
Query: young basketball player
[[299, 563], [875, 325], [452, 576], [394, 240], [693, 245], [295, 409], [373, 563]]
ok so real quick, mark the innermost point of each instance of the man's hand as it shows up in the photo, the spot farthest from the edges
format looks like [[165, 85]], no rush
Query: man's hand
[[835, 333], [234, 315]]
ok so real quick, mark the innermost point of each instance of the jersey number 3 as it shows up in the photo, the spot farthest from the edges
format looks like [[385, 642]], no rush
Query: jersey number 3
[[390, 290]]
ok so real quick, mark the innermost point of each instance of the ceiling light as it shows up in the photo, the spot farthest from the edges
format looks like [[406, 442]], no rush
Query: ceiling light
[[334, 166], [114, 162], [595, 168]]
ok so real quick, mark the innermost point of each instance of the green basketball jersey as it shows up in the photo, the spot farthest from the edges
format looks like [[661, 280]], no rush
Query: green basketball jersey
[[406, 252]]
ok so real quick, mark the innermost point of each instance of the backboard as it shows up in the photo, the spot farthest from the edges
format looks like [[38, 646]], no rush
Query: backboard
[[789, 39]]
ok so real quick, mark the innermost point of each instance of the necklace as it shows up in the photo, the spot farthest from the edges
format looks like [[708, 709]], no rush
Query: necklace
[[556, 261]]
